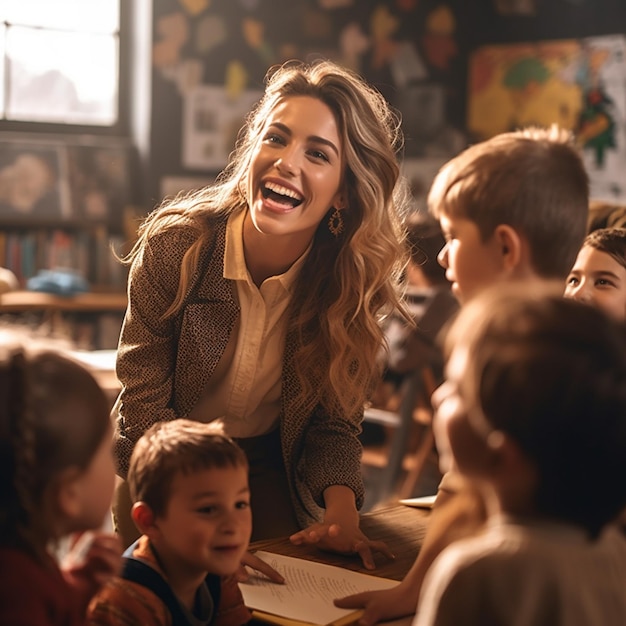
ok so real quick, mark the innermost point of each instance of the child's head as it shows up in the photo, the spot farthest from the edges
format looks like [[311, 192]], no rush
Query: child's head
[[599, 273], [425, 241], [512, 206], [189, 483], [536, 388], [55, 439]]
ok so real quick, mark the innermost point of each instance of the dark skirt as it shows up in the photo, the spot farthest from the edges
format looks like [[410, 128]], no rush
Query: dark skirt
[[273, 514]]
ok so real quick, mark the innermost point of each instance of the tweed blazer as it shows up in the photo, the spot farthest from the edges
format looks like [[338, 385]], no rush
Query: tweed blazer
[[165, 364]]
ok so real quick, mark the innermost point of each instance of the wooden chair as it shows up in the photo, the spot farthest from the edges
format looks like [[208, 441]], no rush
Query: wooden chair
[[403, 463], [426, 443]]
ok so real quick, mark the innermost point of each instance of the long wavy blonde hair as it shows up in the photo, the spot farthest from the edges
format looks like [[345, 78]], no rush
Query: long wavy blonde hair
[[347, 283]]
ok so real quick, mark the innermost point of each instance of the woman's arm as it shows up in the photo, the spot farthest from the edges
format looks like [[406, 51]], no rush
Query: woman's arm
[[147, 350], [332, 471]]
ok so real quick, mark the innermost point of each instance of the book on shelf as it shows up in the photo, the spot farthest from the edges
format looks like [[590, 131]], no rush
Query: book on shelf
[[306, 598], [26, 251]]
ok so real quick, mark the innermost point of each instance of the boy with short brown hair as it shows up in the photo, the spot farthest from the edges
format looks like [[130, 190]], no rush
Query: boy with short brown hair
[[189, 485], [512, 208]]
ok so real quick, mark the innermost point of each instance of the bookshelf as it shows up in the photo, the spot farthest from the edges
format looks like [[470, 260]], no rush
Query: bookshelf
[[89, 320], [90, 249], [67, 204]]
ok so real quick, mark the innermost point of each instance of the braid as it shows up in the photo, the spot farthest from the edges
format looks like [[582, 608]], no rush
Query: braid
[[19, 507], [42, 395], [25, 441], [7, 468]]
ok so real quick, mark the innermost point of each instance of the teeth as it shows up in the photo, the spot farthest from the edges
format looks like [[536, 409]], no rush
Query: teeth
[[283, 191]]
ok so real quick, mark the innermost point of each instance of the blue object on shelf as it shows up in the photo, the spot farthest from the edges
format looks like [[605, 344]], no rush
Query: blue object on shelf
[[61, 282]]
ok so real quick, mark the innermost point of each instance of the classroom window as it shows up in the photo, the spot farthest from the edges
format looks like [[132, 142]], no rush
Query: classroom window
[[60, 62]]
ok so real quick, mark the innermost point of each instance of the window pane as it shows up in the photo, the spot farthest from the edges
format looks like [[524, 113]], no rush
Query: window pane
[[59, 76], [86, 15]]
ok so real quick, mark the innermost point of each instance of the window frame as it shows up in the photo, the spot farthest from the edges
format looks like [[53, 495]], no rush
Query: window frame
[[121, 128]]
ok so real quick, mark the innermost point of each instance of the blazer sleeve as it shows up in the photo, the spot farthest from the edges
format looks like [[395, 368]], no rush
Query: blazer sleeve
[[332, 454], [147, 349]]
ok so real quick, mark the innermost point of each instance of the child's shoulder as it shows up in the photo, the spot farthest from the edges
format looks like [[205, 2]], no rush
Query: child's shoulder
[[47, 592], [18, 568], [121, 601], [514, 570], [130, 601], [542, 551]]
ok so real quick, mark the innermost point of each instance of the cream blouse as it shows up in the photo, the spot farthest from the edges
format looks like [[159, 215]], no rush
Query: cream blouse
[[245, 389]]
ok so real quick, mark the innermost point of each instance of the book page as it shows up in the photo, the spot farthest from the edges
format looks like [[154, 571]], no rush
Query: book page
[[309, 590], [423, 502]]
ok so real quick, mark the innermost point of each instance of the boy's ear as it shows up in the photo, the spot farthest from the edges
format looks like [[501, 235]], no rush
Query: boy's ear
[[509, 464], [144, 518], [511, 246]]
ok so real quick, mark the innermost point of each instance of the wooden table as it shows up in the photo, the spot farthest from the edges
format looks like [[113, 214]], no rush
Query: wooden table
[[401, 527]]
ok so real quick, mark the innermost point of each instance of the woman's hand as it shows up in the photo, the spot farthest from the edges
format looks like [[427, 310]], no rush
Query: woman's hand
[[340, 532], [259, 565], [383, 605], [342, 538]]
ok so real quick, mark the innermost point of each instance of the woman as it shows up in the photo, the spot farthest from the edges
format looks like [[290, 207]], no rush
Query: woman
[[257, 301]]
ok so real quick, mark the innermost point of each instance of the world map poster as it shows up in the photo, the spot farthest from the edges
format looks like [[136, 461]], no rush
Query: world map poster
[[579, 84]]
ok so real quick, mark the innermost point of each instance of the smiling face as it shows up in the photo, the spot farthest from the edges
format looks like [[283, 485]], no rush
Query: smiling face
[[207, 524], [296, 170], [598, 279], [471, 264]]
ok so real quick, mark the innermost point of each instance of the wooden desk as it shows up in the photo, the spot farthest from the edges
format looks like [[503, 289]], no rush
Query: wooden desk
[[401, 527]]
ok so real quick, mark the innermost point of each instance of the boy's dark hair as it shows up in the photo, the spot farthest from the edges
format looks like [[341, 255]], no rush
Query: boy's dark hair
[[534, 180], [606, 215], [425, 241], [611, 241], [550, 373], [180, 446]]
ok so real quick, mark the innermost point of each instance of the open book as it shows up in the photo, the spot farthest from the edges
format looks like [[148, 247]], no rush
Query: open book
[[307, 596]]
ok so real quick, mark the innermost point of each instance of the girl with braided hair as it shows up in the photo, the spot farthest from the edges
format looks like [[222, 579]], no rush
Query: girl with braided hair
[[57, 481]]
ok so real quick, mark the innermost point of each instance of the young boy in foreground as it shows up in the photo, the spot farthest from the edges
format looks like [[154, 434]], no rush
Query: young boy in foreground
[[189, 485], [533, 412], [512, 209]]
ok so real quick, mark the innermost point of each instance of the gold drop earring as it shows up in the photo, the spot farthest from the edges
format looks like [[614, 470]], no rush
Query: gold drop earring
[[335, 223]]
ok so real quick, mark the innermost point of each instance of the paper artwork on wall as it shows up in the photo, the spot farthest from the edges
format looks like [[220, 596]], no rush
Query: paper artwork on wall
[[211, 120], [578, 84], [65, 178], [33, 181]]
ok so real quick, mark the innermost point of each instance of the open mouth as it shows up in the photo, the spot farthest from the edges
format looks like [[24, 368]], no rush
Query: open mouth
[[281, 195], [226, 549]]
